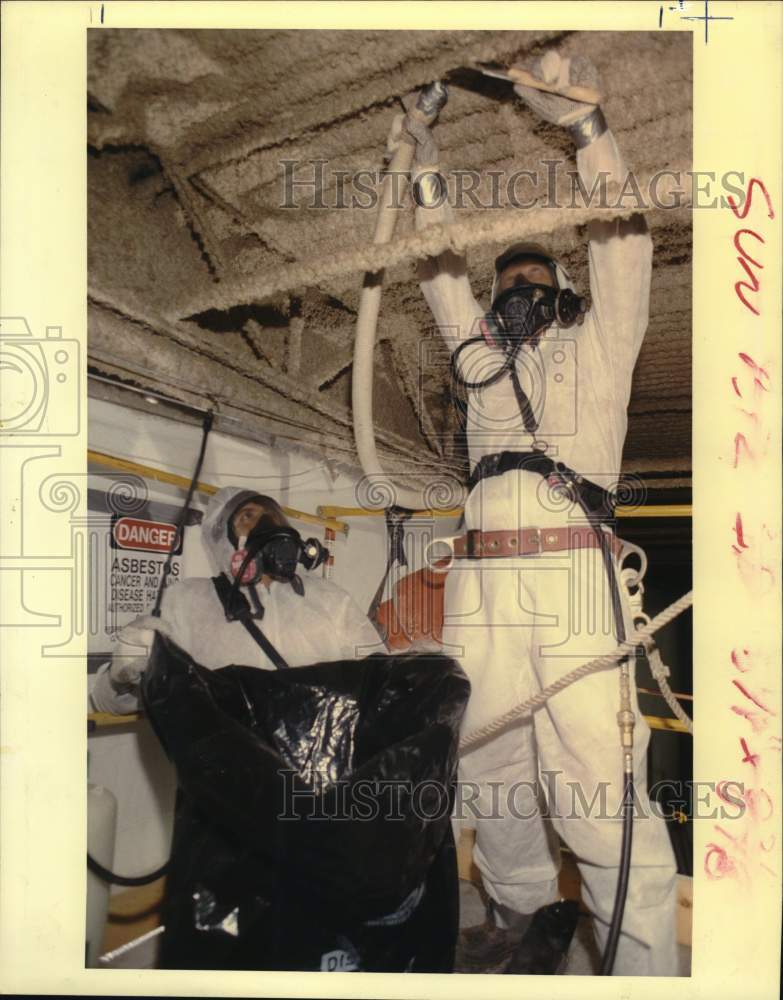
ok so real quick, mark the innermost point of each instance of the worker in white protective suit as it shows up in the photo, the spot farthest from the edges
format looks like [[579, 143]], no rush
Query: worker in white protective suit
[[301, 621], [528, 596]]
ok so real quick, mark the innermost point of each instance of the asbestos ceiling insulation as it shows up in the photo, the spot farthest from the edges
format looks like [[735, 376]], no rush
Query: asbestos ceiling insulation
[[203, 286]]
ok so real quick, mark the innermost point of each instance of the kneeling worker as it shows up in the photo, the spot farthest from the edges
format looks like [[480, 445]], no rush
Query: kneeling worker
[[225, 620], [274, 861]]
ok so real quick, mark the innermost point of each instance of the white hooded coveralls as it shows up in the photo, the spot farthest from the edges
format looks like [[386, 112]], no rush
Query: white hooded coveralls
[[323, 625], [517, 624]]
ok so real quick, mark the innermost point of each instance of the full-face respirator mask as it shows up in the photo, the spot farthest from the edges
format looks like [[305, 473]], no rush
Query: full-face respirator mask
[[275, 551], [520, 313]]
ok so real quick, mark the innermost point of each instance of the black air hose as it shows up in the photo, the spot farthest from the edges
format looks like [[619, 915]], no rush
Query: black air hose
[[130, 880], [610, 951]]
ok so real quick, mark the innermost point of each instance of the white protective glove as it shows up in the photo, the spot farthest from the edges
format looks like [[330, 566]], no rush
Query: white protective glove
[[129, 660], [427, 154], [577, 77], [406, 129], [429, 186]]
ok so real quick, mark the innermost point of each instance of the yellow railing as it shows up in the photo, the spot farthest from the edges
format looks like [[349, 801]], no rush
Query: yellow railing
[[161, 476], [329, 516], [103, 720], [653, 510]]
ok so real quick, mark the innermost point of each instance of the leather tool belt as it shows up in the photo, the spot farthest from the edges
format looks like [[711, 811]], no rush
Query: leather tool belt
[[528, 541]]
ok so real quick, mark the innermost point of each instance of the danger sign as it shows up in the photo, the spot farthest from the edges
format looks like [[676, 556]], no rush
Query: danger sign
[[144, 536]]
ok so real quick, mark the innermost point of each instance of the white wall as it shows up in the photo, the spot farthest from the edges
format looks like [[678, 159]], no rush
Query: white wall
[[295, 480], [131, 763]]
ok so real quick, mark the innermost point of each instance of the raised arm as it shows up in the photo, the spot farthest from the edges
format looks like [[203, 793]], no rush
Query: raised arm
[[620, 259], [620, 250], [444, 279]]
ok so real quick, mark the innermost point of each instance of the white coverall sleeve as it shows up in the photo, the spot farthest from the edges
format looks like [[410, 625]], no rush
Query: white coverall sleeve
[[356, 634], [117, 698], [620, 261], [444, 280]]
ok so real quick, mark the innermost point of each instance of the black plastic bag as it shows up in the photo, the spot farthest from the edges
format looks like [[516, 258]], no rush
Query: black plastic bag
[[312, 827]]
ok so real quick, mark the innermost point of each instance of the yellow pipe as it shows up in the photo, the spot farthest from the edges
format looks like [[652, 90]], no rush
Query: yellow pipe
[[653, 510], [328, 516], [657, 510], [125, 465], [669, 725], [327, 511], [681, 697], [104, 719]]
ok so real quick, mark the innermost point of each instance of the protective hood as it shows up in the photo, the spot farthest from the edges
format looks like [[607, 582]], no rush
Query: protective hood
[[214, 532], [533, 250]]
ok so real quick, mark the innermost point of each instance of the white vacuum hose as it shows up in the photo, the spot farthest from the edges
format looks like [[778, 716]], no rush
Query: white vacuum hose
[[380, 491]]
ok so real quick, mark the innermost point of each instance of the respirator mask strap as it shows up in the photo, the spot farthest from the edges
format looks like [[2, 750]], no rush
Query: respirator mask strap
[[523, 402], [234, 602], [236, 608]]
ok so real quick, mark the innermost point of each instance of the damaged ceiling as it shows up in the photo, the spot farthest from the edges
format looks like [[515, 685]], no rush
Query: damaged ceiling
[[204, 286]]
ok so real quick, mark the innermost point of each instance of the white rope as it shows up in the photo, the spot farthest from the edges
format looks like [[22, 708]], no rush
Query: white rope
[[660, 672], [123, 949], [527, 708]]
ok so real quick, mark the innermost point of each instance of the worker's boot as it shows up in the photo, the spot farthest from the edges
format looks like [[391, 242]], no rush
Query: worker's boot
[[543, 948], [488, 947]]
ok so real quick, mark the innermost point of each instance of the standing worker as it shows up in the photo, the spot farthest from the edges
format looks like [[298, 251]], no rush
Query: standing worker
[[530, 595]]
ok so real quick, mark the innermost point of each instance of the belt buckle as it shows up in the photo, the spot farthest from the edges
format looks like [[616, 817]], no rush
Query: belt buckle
[[534, 534], [472, 542], [562, 486]]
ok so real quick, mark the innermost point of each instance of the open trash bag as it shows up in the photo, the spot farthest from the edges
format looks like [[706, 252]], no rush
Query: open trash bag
[[312, 827]]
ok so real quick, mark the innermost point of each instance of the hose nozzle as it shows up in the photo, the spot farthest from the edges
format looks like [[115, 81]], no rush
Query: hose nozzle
[[626, 719], [432, 99]]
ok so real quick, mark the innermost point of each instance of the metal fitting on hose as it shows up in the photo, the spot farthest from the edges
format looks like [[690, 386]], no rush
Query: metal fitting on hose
[[588, 129], [417, 124], [432, 99], [626, 719]]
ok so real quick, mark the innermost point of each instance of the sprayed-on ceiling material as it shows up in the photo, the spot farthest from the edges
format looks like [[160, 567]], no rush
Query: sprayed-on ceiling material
[[210, 280]]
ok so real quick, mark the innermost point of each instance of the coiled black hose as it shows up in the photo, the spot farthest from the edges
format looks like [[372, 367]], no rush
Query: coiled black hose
[[130, 880]]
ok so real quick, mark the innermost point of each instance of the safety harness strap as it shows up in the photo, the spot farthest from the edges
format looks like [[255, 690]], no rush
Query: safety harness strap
[[395, 528], [596, 503], [523, 402], [595, 498], [239, 610]]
